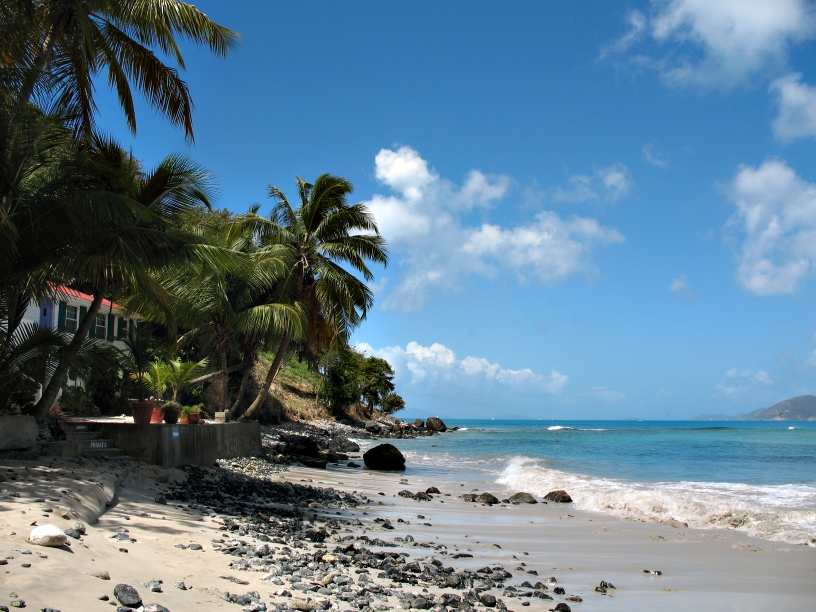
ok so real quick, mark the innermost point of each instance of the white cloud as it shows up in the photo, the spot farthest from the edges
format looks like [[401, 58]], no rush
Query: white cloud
[[426, 227], [653, 157], [743, 384], [718, 43], [607, 183], [605, 394], [776, 213], [679, 284], [437, 365], [797, 108]]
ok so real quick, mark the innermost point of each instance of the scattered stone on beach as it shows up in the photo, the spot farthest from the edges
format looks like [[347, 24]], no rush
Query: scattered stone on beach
[[127, 596], [559, 590], [561, 607], [574, 599], [406, 493], [79, 528], [101, 575], [653, 572], [433, 490], [384, 457], [487, 498], [47, 535], [420, 496], [17, 603], [154, 585], [72, 533], [435, 424], [488, 600], [522, 498], [154, 607], [560, 496], [469, 497], [179, 584]]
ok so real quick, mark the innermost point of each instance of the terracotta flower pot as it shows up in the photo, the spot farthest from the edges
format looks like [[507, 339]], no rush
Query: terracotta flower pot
[[194, 418], [156, 417], [183, 419], [142, 412], [171, 416]]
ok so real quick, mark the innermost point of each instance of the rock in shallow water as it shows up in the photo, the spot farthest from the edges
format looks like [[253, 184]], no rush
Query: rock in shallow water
[[384, 457], [522, 498], [487, 498], [48, 535], [560, 496]]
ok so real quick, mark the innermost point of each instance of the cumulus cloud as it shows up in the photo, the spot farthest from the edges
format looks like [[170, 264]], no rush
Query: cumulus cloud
[[425, 221], [743, 384], [776, 220], [797, 108], [607, 183], [680, 286], [437, 365], [716, 44]]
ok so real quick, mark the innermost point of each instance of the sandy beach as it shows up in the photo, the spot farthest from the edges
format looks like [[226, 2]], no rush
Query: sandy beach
[[717, 569]]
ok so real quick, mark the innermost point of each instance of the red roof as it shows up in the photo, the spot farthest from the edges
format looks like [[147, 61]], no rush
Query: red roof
[[88, 298]]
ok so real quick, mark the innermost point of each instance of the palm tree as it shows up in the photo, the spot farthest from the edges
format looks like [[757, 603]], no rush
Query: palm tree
[[57, 48], [220, 303], [323, 232], [118, 229], [181, 373]]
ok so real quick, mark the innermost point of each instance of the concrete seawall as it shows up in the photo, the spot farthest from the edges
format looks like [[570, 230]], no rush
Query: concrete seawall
[[177, 445]]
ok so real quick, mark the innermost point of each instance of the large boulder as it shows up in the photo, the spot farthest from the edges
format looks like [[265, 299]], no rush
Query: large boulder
[[436, 424], [522, 498], [560, 497], [127, 596], [372, 426], [47, 535], [384, 457], [419, 423], [300, 445]]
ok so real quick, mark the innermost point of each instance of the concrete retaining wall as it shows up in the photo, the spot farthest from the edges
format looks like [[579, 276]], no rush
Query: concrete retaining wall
[[178, 445], [20, 432]]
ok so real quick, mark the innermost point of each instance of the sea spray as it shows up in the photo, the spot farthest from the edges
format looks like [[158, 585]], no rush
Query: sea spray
[[784, 513]]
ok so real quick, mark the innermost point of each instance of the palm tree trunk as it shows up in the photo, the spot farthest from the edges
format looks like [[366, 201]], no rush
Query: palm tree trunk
[[270, 378], [51, 390], [241, 391], [222, 358]]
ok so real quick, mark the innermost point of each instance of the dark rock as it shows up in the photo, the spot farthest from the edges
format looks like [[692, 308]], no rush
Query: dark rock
[[72, 533], [351, 464], [541, 595], [574, 599], [127, 595], [487, 498], [195, 546], [372, 427], [420, 603], [435, 424], [562, 607], [316, 535], [488, 600], [422, 497], [154, 607], [300, 445], [560, 496], [311, 462], [419, 424], [653, 572], [469, 497], [522, 498], [559, 590], [433, 490], [405, 493], [453, 581], [384, 457], [17, 603]]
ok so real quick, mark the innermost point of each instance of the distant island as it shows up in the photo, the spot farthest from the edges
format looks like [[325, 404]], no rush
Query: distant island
[[802, 408]]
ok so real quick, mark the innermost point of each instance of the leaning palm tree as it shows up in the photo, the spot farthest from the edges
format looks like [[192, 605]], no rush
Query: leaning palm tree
[[217, 303], [57, 48], [117, 233], [320, 235]]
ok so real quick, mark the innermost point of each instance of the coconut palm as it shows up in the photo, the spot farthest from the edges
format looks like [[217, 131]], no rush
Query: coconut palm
[[219, 303], [57, 48], [320, 235], [181, 373], [120, 229]]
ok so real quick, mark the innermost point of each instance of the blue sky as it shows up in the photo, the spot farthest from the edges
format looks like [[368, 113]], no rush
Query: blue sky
[[594, 210]]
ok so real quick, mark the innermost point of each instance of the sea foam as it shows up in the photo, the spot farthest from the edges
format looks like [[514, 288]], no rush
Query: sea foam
[[784, 513]]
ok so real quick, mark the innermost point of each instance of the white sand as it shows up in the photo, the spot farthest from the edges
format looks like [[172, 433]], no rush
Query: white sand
[[714, 570]]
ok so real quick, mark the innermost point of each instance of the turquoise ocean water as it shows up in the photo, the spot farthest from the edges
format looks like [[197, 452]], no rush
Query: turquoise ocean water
[[757, 477]]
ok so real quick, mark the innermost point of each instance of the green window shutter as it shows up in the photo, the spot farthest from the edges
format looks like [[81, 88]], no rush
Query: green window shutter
[[63, 309], [111, 323], [83, 312], [120, 332]]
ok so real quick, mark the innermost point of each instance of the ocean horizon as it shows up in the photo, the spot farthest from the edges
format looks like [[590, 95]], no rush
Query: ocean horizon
[[753, 476]]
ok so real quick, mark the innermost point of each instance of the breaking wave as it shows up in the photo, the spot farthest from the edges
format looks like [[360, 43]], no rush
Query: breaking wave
[[784, 513]]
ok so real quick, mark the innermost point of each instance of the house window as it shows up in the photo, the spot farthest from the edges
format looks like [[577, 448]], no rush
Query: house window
[[71, 319], [101, 324], [123, 328]]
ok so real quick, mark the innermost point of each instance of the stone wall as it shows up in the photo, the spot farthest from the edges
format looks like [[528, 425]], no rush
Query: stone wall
[[17, 432]]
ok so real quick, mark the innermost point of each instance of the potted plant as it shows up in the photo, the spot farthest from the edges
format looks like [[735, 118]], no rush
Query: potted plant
[[138, 355], [191, 414], [171, 412], [155, 379]]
